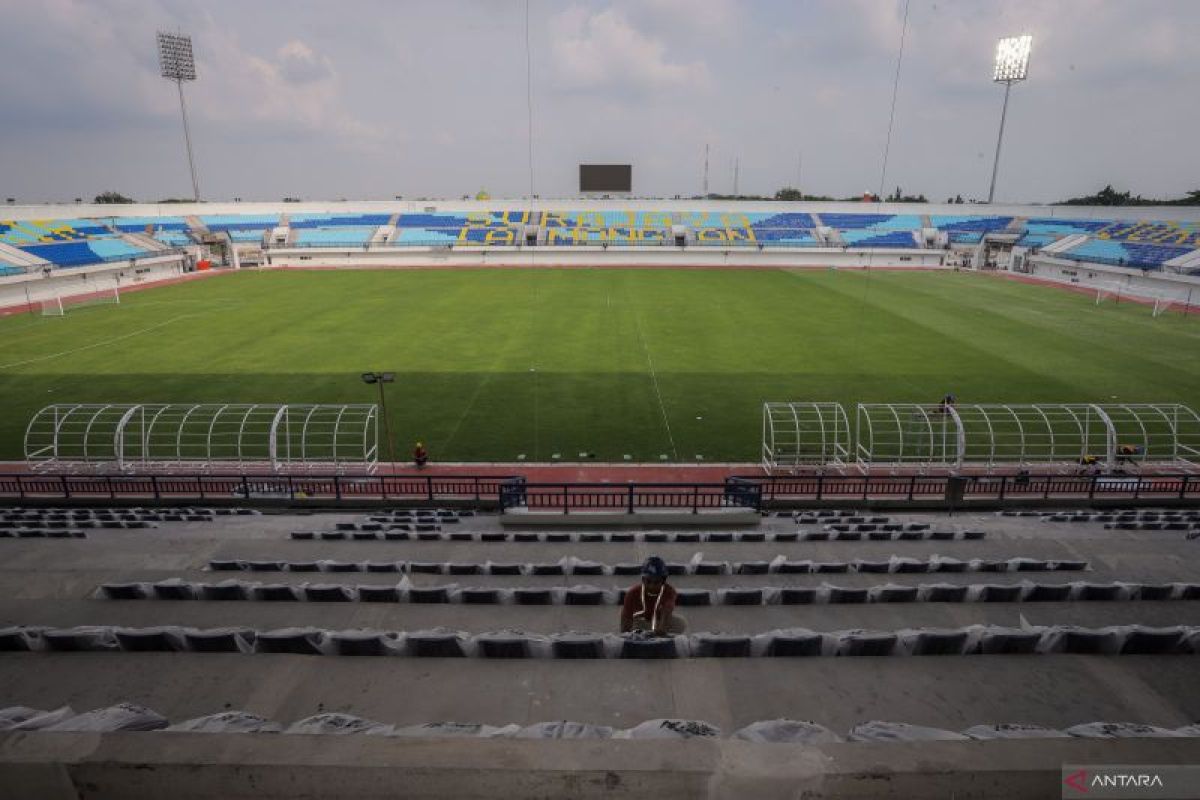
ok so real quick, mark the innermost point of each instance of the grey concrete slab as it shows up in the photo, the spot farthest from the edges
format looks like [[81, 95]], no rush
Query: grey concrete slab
[[951, 692]]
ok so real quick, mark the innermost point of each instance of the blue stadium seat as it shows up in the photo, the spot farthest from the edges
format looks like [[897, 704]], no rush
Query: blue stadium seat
[[333, 237], [240, 222], [89, 251], [1125, 254], [1169, 233], [38, 231], [138, 224], [1064, 227], [872, 238], [431, 221], [300, 221], [877, 222], [967, 223]]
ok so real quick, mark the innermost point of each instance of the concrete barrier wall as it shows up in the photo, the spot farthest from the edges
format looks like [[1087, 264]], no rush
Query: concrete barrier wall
[[54, 766], [24, 293], [666, 257], [1149, 285]]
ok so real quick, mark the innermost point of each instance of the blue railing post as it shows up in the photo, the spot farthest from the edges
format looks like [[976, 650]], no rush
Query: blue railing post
[[66, 490], [154, 486], [429, 487], [631, 498]]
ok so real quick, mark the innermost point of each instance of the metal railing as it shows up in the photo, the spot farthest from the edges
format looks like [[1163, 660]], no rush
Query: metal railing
[[982, 487], [629, 498], [252, 487], [748, 492]]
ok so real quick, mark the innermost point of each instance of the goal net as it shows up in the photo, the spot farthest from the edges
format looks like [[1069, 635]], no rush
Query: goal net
[[59, 305]]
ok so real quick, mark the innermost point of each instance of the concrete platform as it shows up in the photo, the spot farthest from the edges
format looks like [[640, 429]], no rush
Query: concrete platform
[[54, 582]]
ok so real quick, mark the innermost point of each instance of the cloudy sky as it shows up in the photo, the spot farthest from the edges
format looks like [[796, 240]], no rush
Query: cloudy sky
[[375, 98]]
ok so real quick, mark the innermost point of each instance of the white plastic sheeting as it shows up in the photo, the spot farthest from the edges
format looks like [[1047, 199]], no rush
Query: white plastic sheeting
[[124, 715], [443, 643]]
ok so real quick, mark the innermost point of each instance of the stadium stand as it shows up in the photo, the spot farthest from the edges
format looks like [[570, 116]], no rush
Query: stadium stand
[[1064, 227], [875, 222], [80, 253], [614, 235], [299, 221], [241, 228], [1178, 234], [875, 238], [1124, 254], [607, 219], [38, 231], [979, 224], [139, 224], [333, 237]]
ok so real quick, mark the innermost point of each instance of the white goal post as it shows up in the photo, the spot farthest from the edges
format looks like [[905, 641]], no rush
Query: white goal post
[[58, 305]]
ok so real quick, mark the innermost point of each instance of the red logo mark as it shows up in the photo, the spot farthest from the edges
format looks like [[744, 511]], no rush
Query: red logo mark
[[1077, 781]]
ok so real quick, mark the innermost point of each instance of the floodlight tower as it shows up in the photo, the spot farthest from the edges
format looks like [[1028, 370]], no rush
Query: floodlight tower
[[176, 63], [1012, 66]]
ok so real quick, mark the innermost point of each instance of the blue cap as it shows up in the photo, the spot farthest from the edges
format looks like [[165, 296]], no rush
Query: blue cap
[[654, 567]]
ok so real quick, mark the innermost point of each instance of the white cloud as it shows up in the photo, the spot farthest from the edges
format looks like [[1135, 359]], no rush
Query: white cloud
[[604, 50], [299, 64]]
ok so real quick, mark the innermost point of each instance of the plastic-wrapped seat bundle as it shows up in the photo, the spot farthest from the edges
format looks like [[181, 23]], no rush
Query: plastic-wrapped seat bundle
[[1119, 730], [299, 641], [338, 724], [228, 722], [166, 639], [219, 640], [15, 715], [564, 729], [121, 717], [878, 731], [786, 730], [670, 729], [80, 639], [1014, 730], [458, 730]]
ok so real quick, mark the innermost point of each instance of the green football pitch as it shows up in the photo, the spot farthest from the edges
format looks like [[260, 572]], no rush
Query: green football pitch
[[496, 363]]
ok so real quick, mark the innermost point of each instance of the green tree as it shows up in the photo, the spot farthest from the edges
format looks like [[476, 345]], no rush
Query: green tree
[[112, 197]]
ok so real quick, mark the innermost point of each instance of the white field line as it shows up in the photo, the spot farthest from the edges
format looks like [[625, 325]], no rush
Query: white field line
[[654, 379], [95, 345], [487, 377]]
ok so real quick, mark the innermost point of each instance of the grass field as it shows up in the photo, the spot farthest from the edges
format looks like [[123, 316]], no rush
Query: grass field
[[496, 363]]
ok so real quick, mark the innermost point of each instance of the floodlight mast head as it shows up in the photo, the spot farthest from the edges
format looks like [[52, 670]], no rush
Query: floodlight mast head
[[175, 59], [177, 63], [1012, 66], [1012, 59]]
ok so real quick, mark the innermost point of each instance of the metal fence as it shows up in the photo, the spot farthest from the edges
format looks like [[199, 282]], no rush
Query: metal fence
[[984, 487], [747, 492], [252, 487], [568, 497]]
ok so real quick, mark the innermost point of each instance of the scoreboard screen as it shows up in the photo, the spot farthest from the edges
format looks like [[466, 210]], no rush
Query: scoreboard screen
[[606, 177]]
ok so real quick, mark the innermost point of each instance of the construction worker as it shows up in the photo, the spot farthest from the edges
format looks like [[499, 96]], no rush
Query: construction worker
[[650, 605], [420, 455]]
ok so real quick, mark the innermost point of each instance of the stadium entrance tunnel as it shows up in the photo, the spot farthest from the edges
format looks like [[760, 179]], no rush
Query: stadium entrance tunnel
[[284, 438]]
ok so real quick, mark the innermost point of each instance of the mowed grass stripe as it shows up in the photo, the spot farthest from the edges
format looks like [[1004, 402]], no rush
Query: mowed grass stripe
[[463, 343]]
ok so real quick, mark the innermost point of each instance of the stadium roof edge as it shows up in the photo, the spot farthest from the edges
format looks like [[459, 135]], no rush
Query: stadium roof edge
[[73, 210]]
